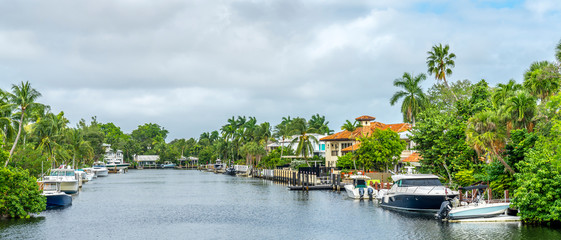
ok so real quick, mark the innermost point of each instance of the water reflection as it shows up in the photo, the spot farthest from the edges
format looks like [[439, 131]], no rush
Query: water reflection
[[164, 204]]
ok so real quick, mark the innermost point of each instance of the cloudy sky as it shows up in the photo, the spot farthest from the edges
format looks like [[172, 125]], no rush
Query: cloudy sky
[[190, 65]]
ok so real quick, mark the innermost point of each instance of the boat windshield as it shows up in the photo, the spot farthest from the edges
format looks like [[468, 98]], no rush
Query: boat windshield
[[418, 182], [360, 183]]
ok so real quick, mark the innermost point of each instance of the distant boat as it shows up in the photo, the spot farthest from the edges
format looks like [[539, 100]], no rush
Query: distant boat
[[55, 197], [359, 189], [167, 164], [452, 209], [100, 170], [230, 171], [67, 178]]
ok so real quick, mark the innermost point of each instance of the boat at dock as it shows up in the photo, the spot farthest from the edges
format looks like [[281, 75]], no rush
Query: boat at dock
[[100, 170], [359, 189], [55, 197], [453, 209], [167, 164], [69, 182], [416, 192]]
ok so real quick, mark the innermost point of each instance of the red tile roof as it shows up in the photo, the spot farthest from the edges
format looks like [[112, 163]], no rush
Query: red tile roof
[[412, 158], [363, 131], [351, 148], [365, 118]]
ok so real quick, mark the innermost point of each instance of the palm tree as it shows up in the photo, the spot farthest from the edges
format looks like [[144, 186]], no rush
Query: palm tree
[[440, 62], [318, 122], [283, 131], [6, 109], [24, 97], [350, 126], [504, 91], [542, 79], [413, 97], [304, 140], [485, 136], [522, 108]]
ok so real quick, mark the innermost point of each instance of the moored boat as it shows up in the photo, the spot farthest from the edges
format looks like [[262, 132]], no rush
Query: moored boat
[[100, 170], [67, 178], [359, 189], [453, 209], [167, 164], [416, 192], [55, 197]]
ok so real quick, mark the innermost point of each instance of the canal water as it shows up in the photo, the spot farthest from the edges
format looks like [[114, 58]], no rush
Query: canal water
[[189, 204]]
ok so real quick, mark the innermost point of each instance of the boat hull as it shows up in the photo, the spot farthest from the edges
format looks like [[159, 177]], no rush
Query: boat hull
[[480, 211], [101, 172], [412, 202], [69, 187], [354, 193], [58, 200]]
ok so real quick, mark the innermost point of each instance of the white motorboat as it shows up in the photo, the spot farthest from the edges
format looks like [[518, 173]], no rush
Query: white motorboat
[[359, 189], [67, 178], [416, 192], [100, 170], [90, 174], [479, 208]]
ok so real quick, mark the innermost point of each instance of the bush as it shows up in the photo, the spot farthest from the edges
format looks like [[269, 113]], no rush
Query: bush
[[19, 194]]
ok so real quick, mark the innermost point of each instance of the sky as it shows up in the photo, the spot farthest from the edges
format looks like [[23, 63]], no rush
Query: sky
[[188, 66]]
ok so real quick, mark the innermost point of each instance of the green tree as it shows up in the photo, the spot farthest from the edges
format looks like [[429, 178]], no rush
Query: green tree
[[253, 152], [413, 97], [522, 108], [146, 135], [504, 91], [440, 63], [380, 150], [304, 140], [24, 96], [484, 135], [19, 194], [318, 122], [542, 79], [350, 126], [283, 131]]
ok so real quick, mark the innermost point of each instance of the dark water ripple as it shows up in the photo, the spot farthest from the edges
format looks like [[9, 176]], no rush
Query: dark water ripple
[[176, 204]]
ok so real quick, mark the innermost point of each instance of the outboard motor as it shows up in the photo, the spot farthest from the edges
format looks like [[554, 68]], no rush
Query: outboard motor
[[445, 208], [361, 192], [370, 193]]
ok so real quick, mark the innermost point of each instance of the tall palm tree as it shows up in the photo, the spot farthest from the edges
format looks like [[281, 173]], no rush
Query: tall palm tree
[[283, 131], [522, 108], [6, 108], [24, 97], [440, 63], [485, 136], [413, 97], [304, 140]]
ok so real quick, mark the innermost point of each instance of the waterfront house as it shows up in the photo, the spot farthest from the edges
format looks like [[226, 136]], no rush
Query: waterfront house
[[341, 143], [146, 160], [319, 146]]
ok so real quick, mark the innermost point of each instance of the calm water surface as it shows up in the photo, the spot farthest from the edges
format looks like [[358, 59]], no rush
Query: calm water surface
[[188, 204]]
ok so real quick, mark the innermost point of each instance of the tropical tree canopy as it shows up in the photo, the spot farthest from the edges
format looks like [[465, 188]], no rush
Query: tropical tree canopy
[[414, 100]]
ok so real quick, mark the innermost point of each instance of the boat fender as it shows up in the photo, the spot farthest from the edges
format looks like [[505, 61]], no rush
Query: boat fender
[[361, 192], [445, 208]]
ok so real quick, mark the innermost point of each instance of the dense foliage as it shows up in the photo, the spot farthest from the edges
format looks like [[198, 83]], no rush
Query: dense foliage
[[19, 194]]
